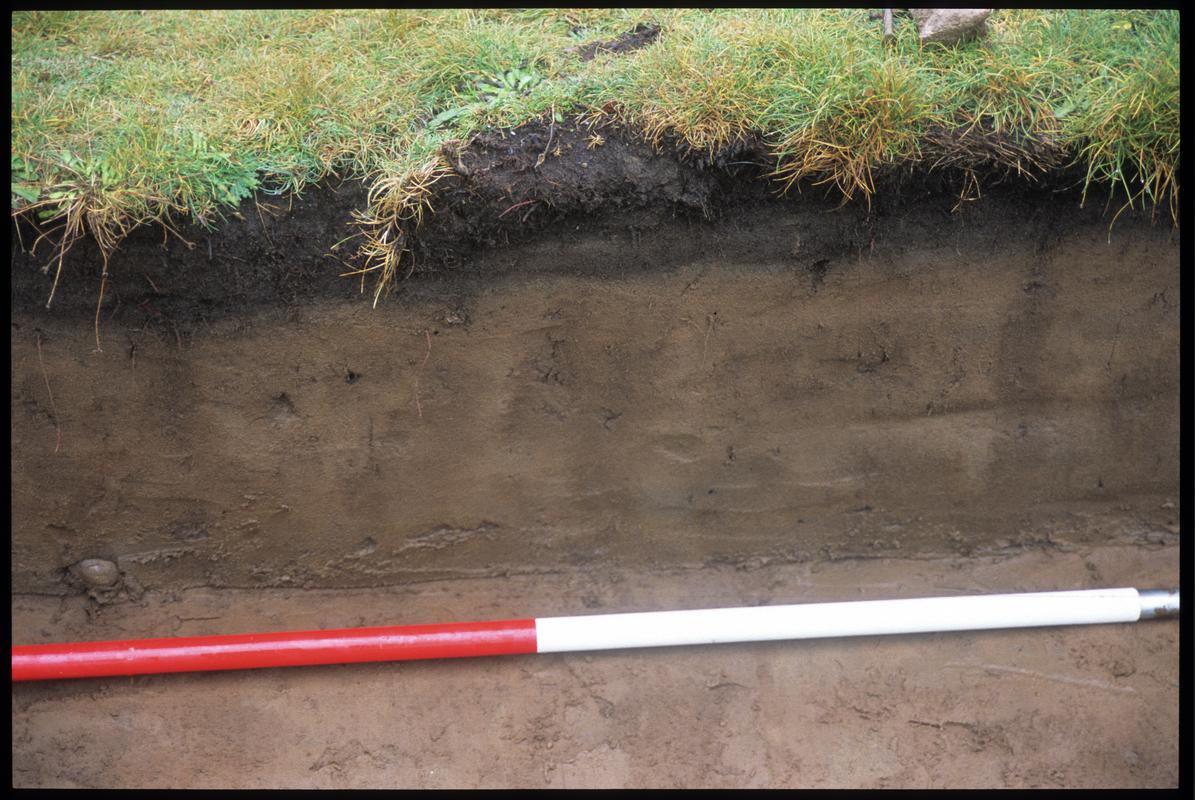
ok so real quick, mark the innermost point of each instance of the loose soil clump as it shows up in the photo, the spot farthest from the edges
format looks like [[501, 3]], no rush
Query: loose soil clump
[[638, 37]]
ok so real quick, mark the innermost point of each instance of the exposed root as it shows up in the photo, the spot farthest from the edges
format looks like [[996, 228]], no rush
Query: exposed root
[[518, 205], [969, 192], [396, 210], [53, 407], [99, 303], [426, 356], [971, 149], [84, 209]]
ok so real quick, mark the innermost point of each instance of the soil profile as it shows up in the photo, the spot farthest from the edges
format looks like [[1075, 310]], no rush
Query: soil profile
[[612, 364]]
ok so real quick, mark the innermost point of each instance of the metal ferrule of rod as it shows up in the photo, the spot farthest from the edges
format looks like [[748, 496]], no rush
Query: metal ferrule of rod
[[1159, 603], [590, 632]]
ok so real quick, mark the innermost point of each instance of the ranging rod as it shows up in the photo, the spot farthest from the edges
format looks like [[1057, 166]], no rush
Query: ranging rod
[[589, 632]]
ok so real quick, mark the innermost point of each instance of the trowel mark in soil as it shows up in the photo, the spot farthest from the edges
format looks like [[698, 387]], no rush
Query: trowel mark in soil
[[638, 37]]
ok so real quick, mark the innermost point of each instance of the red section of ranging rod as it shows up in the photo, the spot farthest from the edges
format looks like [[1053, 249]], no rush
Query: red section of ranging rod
[[256, 650]]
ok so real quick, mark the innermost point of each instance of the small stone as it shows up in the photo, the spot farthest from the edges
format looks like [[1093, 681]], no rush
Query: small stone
[[950, 25], [1121, 669], [97, 573]]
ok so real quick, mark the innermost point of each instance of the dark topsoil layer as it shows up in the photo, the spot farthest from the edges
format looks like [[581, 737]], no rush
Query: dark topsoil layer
[[505, 188]]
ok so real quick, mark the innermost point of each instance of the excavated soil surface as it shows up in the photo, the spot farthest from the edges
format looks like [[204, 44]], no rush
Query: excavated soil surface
[[619, 380], [1089, 706], [790, 385]]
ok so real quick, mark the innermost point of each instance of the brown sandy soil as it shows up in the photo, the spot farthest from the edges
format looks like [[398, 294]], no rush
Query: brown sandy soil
[[578, 401], [1063, 707]]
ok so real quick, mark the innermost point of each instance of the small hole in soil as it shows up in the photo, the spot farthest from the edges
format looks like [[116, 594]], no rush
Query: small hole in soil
[[351, 377]]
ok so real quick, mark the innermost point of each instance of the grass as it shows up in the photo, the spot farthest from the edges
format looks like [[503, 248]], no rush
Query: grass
[[125, 118]]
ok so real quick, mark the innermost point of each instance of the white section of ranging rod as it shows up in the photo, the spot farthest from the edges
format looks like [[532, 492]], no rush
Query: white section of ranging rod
[[859, 618]]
